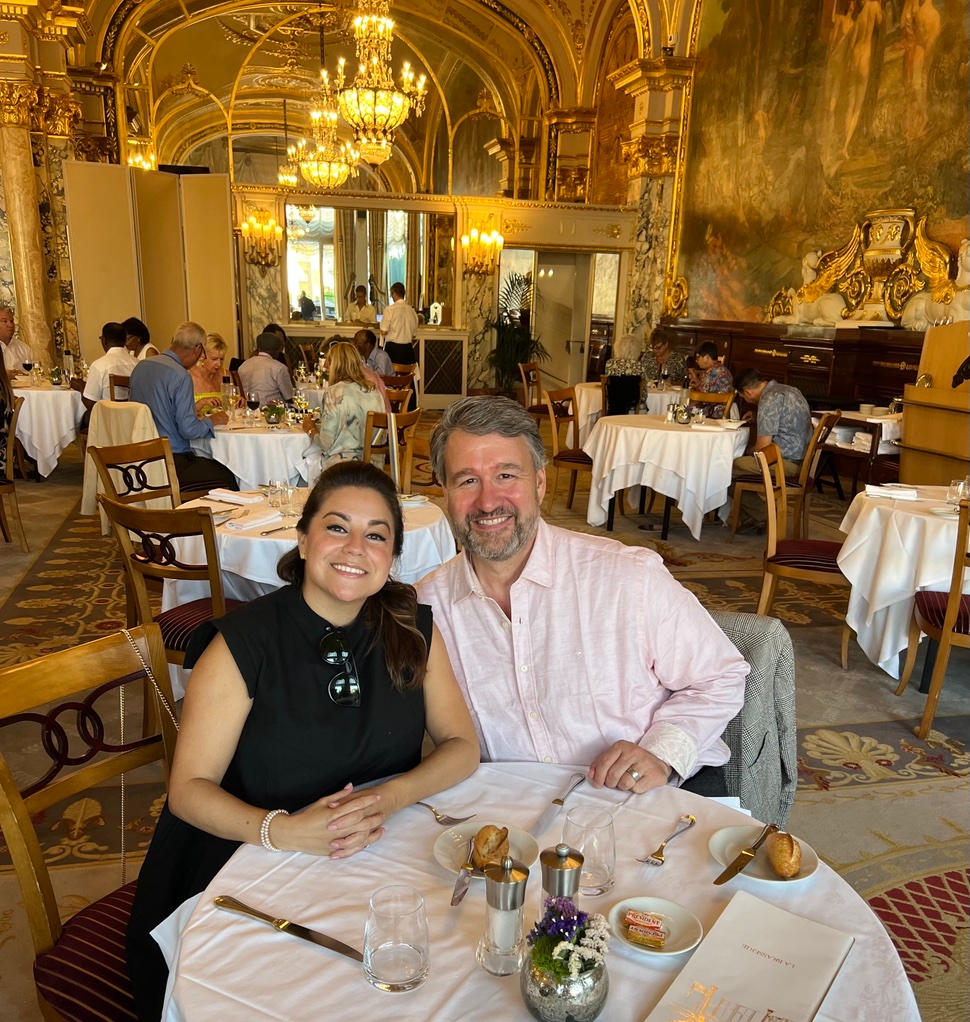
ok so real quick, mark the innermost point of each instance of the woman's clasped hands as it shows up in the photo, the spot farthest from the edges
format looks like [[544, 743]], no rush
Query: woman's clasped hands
[[337, 825]]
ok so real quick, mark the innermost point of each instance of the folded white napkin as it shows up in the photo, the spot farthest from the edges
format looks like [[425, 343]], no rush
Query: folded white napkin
[[237, 496], [893, 492], [254, 521], [705, 427]]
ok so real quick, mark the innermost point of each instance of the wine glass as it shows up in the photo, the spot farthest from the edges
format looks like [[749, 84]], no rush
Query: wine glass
[[956, 491], [664, 377], [252, 404], [28, 366]]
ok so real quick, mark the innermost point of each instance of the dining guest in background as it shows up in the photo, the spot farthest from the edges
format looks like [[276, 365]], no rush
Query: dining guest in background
[[374, 357], [138, 340], [360, 310], [207, 376], [6, 413], [398, 326], [117, 360], [710, 377], [263, 374], [308, 309], [570, 648], [661, 360], [295, 701], [15, 351], [349, 397], [625, 380]]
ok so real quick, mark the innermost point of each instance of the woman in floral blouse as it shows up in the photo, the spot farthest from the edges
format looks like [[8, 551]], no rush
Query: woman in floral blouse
[[661, 359], [711, 377]]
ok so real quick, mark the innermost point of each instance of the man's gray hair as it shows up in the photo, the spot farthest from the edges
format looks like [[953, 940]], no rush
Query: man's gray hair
[[481, 416], [627, 346], [188, 336]]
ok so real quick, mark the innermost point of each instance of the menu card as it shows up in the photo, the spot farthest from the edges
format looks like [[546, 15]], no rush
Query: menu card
[[757, 962]]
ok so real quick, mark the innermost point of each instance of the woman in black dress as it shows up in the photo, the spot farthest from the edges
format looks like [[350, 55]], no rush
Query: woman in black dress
[[295, 700]]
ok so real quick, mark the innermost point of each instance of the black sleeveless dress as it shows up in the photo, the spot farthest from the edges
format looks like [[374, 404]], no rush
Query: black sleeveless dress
[[296, 746]]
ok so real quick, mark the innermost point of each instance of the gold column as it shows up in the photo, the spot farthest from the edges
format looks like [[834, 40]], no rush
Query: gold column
[[23, 218]]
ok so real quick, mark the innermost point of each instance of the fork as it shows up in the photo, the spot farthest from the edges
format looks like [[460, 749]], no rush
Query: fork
[[657, 859], [443, 818]]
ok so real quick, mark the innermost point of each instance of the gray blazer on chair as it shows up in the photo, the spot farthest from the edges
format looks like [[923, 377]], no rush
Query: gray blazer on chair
[[763, 767]]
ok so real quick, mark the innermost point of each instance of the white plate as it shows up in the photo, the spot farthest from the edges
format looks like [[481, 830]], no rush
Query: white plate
[[413, 499], [944, 512], [449, 849], [684, 930], [725, 845], [731, 423]]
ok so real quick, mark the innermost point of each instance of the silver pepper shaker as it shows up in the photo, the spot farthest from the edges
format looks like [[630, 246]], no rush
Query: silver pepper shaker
[[503, 948], [561, 868]]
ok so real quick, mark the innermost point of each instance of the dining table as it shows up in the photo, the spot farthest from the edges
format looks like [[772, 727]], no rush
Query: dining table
[[690, 464], [892, 548], [49, 421], [257, 453], [589, 407], [225, 965]]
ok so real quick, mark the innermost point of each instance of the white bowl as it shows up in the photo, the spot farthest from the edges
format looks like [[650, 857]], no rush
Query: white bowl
[[684, 930]]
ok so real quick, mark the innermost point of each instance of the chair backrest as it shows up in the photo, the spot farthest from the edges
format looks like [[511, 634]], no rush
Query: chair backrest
[[404, 368], [115, 383], [234, 373], [8, 441], [701, 397], [531, 383], [776, 495], [399, 381], [599, 353], [78, 681], [417, 455], [961, 561], [561, 407], [149, 546], [398, 398], [621, 394], [138, 473], [399, 427], [813, 452]]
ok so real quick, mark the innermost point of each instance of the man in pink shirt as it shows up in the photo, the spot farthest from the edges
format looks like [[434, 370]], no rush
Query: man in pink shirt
[[570, 648]]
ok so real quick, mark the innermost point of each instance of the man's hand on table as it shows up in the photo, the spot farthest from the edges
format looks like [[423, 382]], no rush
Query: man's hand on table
[[613, 769], [219, 418]]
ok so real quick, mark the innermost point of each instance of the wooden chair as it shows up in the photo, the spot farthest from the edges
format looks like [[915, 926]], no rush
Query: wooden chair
[[398, 381], [399, 398], [701, 397], [944, 616], [621, 394], [403, 368], [598, 355], [234, 373], [799, 487], [157, 556], [532, 399], [560, 407], [115, 382], [79, 965], [810, 560], [417, 465], [8, 488], [398, 427]]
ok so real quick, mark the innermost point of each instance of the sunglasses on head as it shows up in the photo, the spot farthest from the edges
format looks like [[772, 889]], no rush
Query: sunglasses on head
[[344, 688]]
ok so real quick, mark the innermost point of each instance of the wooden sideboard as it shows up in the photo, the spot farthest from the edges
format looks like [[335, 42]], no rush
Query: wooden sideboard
[[839, 366]]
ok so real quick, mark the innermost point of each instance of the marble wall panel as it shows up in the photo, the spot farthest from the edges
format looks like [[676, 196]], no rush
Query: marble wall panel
[[645, 300]]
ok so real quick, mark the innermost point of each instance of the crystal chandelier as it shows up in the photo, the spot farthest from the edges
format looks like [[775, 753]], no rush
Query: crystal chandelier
[[373, 106]]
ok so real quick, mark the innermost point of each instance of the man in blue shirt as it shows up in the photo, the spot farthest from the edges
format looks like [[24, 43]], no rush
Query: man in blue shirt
[[163, 383]]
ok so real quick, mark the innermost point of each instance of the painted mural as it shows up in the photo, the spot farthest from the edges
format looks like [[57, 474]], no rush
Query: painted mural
[[838, 107]]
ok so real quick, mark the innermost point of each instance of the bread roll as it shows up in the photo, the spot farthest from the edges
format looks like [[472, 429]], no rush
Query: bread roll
[[491, 844], [784, 854]]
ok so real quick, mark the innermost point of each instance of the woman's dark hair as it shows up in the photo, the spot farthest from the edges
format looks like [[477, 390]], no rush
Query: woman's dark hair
[[135, 328], [391, 612], [708, 348]]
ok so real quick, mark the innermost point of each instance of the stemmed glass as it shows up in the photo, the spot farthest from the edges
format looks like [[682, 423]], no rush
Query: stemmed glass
[[956, 491], [664, 377], [252, 404]]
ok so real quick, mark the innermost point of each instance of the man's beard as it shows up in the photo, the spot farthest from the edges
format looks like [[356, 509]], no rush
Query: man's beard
[[497, 547]]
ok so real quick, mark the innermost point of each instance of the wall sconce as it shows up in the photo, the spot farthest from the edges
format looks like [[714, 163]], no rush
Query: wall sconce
[[261, 236], [480, 251], [141, 155]]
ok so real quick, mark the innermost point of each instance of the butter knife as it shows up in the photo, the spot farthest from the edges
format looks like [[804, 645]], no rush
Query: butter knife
[[545, 820], [745, 855], [464, 875], [285, 926], [279, 528]]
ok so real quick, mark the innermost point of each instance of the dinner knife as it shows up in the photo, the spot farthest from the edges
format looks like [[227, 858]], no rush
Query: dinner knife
[[553, 809], [286, 926], [745, 855], [464, 875]]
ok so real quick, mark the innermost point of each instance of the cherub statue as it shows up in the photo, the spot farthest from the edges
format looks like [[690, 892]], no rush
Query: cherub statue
[[813, 302], [944, 300]]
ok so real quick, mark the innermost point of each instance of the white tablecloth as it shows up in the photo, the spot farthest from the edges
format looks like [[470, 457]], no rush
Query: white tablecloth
[[657, 400], [48, 422], [228, 966], [893, 548], [589, 407], [691, 465], [258, 454]]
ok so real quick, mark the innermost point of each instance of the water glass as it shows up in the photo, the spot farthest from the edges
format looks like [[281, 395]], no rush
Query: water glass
[[276, 486], [956, 491], [589, 829], [397, 948]]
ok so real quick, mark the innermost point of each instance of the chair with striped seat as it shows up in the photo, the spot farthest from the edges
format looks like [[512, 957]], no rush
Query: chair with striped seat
[[560, 407], [157, 534], [944, 616], [532, 390], [809, 560], [79, 964]]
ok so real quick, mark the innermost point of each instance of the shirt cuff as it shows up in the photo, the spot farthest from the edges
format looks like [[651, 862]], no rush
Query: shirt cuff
[[668, 743]]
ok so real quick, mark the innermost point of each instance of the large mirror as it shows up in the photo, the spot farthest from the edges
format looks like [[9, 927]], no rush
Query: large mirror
[[330, 251]]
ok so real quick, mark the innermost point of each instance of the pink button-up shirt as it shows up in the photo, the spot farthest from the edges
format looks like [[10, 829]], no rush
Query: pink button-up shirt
[[603, 645]]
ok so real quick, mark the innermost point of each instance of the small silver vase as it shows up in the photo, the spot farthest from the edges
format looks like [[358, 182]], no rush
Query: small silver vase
[[550, 999]]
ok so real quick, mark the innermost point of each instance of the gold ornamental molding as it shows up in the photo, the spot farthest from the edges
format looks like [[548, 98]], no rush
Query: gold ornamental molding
[[575, 120], [650, 155], [61, 20], [57, 113], [513, 226], [676, 295], [4, 38], [658, 74], [771, 352], [17, 99], [608, 230], [901, 366]]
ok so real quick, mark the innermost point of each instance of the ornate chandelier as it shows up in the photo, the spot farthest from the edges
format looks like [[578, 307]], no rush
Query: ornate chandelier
[[373, 106]]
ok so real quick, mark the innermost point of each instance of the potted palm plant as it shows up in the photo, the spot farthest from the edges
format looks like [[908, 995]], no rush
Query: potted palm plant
[[514, 342]]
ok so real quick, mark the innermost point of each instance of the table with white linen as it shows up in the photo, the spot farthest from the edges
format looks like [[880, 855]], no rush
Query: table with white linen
[[230, 966], [589, 407], [658, 399], [314, 396], [257, 454], [892, 548], [48, 422], [690, 464]]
